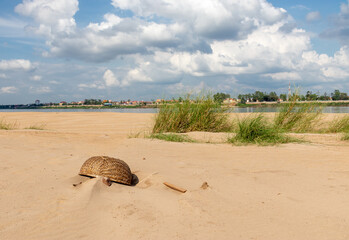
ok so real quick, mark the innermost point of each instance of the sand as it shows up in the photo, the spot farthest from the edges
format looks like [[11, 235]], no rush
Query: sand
[[291, 191]]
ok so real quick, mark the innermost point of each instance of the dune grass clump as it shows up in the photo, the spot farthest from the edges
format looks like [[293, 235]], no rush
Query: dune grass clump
[[345, 136], [171, 137], [257, 129], [5, 125], [298, 117], [339, 125], [200, 114], [37, 126]]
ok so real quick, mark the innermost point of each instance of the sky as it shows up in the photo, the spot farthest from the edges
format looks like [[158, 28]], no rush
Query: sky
[[71, 50]]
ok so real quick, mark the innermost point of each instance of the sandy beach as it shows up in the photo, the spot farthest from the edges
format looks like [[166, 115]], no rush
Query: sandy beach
[[286, 192]]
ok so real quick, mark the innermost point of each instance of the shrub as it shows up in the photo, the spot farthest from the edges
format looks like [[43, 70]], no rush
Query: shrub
[[256, 129], [298, 117], [339, 125], [4, 125], [201, 114]]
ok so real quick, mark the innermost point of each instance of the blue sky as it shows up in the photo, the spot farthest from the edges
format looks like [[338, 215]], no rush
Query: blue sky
[[56, 50]]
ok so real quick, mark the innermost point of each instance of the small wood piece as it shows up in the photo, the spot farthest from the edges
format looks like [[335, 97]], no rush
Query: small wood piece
[[76, 184], [175, 187]]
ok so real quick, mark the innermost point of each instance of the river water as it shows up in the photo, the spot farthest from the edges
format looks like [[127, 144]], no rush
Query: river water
[[337, 109]]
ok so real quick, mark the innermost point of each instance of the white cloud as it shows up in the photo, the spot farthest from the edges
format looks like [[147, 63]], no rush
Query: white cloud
[[313, 16], [176, 45], [9, 90], [94, 85], [15, 64], [36, 78], [284, 76], [110, 79], [191, 26], [340, 25], [40, 90], [3, 75], [53, 16]]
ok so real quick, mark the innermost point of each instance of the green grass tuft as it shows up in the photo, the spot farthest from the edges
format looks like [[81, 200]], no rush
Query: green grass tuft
[[171, 137], [201, 114], [345, 136], [4, 125], [257, 130], [339, 125], [37, 126], [298, 118]]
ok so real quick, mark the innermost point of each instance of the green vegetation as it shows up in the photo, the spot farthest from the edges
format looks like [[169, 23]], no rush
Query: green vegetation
[[200, 114], [37, 126], [345, 136], [4, 125], [297, 118], [219, 97], [309, 96], [339, 125], [171, 137], [256, 129]]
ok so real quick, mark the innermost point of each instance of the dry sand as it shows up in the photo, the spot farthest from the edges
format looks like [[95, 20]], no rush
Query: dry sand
[[292, 191]]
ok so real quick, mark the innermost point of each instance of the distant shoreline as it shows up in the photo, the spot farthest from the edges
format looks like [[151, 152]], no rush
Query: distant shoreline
[[344, 103]]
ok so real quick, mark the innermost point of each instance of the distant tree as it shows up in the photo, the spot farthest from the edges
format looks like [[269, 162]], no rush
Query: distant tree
[[273, 96], [258, 96], [344, 96], [283, 96], [219, 97], [243, 100], [93, 101], [311, 96]]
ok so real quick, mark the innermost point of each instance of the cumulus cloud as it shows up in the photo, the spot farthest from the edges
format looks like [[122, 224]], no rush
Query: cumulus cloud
[[313, 16], [284, 76], [15, 64], [190, 26], [110, 79], [3, 75], [171, 43], [340, 25], [9, 90], [53, 16], [36, 78], [40, 90]]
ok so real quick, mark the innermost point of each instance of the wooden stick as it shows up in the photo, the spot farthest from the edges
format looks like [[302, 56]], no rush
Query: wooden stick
[[175, 187]]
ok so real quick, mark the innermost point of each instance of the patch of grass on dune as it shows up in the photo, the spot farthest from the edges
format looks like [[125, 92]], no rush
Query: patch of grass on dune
[[345, 136], [298, 118], [199, 114], [256, 129], [171, 137], [339, 124], [5, 125], [37, 126]]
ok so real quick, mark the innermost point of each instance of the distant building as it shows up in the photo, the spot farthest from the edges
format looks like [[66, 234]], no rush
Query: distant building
[[37, 102]]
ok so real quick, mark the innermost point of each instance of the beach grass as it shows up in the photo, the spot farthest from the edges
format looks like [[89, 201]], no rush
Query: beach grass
[[37, 126], [256, 129], [339, 124], [5, 125], [172, 137], [298, 118], [345, 137], [199, 114]]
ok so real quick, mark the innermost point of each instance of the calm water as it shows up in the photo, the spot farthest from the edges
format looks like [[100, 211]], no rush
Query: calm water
[[154, 110]]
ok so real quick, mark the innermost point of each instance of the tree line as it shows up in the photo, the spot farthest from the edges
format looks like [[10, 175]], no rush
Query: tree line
[[274, 97]]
